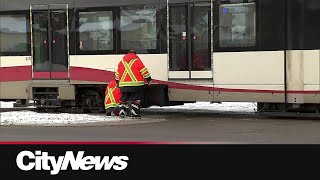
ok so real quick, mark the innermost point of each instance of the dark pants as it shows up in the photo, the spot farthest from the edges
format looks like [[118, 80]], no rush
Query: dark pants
[[131, 97], [131, 93]]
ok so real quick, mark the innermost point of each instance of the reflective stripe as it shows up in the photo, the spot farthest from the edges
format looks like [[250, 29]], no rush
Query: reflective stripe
[[117, 75], [146, 75], [128, 70], [111, 105], [106, 98], [122, 112], [110, 92], [143, 70], [133, 112], [139, 83], [135, 106], [111, 97]]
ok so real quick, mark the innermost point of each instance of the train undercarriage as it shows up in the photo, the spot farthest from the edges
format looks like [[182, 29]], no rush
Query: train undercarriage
[[86, 99], [288, 110], [89, 98], [282, 107]]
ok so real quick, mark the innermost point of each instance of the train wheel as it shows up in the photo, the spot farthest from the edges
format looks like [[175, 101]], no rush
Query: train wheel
[[91, 101]]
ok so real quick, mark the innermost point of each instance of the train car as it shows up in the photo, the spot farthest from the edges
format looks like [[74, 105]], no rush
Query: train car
[[62, 53]]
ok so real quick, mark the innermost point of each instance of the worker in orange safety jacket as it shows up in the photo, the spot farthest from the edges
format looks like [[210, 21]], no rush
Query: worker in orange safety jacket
[[130, 77], [112, 99]]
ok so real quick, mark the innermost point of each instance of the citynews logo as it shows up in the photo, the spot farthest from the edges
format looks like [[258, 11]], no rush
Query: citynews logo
[[42, 161]]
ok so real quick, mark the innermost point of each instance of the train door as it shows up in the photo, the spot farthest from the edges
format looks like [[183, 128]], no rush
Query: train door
[[190, 40], [49, 41]]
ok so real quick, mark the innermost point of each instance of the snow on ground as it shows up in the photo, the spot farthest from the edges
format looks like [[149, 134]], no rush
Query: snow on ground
[[47, 119], [9, 104], [225, 106], [4, 104], [50, 119], [63, 119]]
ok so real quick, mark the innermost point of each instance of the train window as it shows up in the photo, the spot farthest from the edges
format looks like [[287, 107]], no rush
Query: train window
[[95, 31], [237, 25], [138, 27], [13, 33]]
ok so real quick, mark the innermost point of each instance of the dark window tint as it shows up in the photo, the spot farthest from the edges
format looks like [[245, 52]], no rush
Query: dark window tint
[[311, 24], [178, 41], [96, 31], [237, 25], [303, 24], [13, 33], [271, 25], [138, 26]]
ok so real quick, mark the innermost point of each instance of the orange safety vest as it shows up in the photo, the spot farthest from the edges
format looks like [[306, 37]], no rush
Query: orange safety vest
[[131, 71], [113, 94]]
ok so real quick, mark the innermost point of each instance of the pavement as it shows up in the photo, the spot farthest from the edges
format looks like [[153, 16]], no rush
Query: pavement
[[216, 128]]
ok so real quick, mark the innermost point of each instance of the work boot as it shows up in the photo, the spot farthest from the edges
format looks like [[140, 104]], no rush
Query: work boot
[[135, 111], [122, 107], [122, 114]]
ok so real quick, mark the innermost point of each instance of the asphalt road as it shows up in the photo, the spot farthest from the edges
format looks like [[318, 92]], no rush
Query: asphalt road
[[220, 128]]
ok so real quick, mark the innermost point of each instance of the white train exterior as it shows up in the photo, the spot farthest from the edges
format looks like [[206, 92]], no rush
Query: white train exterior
[[62, 53]]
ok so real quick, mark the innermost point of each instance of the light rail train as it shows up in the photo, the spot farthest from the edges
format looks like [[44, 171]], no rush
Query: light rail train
[[62, 53]]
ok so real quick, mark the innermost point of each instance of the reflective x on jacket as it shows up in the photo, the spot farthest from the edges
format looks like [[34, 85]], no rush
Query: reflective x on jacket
[[131, 71], [112, 96]]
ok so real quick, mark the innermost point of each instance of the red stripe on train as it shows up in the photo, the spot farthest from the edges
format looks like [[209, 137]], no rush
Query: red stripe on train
[[17, 73], [41, 75], [88, 74], [23, 73], [48, 75]]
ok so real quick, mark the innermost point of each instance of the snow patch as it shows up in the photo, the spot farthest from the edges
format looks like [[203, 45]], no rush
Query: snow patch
[[64, 119], [50, 119], [5, 104], [225, 106]]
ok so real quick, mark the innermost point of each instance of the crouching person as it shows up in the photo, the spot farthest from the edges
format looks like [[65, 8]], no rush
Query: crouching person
[[112, 99]]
